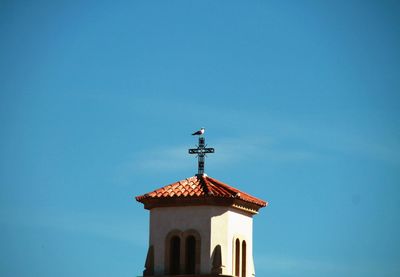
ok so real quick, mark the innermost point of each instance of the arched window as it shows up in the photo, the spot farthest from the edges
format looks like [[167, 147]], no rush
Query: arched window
[[237, 257], [243, 259], [175, 255], [190, 261], [182, 252]]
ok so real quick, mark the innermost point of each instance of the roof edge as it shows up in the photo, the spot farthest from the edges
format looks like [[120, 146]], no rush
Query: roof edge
[[212, 189]]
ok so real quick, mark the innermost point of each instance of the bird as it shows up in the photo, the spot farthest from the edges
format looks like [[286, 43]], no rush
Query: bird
[[199, 132]]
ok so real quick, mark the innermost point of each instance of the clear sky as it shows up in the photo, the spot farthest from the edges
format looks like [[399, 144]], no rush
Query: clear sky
[[300, 99]]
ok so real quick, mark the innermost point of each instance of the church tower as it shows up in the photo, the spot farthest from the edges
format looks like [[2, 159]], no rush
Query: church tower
[[200, 226]]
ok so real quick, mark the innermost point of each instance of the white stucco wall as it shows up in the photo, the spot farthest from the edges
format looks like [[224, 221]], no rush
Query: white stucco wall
[[215, 224], [164, 220], [225, 228]]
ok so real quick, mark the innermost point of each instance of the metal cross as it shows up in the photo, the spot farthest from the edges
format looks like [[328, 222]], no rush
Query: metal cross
[[201, 152]]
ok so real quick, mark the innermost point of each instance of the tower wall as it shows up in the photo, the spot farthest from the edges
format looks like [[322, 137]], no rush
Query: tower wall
[[167, 219], [230, 225], [216, 225]]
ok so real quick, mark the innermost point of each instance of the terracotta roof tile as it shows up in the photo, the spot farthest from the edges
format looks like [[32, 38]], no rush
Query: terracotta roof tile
[[198, 186]]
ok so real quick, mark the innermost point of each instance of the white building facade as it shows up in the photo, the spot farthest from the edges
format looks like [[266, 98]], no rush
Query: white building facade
[[200, 227]]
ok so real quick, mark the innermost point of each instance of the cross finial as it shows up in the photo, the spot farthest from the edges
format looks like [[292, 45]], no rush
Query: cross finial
[[201, 151]]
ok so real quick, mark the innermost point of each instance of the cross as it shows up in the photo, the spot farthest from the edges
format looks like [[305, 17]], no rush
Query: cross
[[201, 152]]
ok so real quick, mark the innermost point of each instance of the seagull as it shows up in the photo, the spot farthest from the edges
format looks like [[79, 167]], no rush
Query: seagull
[[199, 132]]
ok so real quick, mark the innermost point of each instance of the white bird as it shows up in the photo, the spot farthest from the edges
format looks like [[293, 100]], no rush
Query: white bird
[[199, 132]]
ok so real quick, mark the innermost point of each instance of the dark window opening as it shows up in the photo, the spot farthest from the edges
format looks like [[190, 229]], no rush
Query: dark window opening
[[237, 257], [190, 263], [175, 255], [243, 259]]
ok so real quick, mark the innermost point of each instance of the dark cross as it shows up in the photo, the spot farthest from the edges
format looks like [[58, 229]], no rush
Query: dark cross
[[201, 152]]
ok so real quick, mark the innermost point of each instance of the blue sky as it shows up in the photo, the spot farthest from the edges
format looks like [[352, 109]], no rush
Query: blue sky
[[299, 98]]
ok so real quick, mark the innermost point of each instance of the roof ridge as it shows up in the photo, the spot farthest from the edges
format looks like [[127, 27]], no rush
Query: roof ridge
[[225, 186], [239, 193], [204, 184], [220, 190]]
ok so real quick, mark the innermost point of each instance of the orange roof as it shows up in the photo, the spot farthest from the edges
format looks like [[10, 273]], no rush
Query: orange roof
[[197, 188]]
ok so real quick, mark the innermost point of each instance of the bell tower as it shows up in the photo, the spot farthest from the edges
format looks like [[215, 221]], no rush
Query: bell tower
[[200, 226]]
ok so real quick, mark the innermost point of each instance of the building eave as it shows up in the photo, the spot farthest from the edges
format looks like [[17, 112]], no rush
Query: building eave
[[151, 203]]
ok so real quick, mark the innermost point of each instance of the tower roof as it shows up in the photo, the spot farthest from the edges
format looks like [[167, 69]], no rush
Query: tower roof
[[200, 190]]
